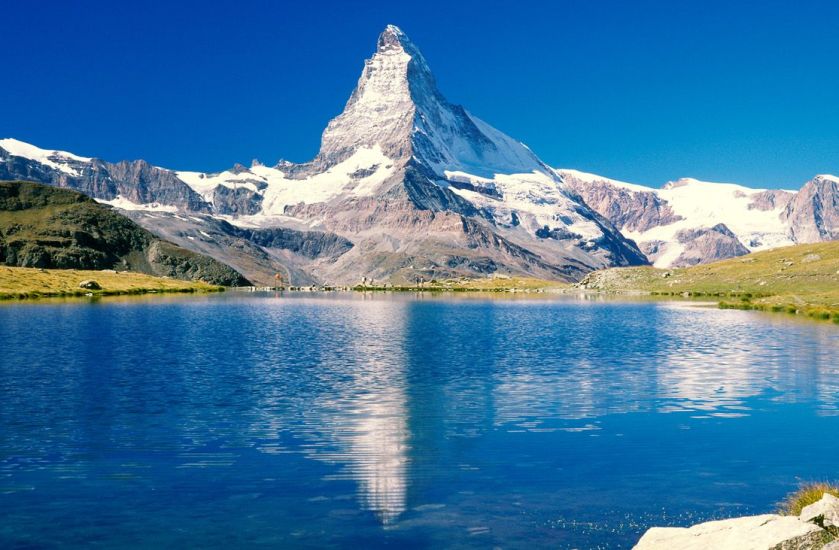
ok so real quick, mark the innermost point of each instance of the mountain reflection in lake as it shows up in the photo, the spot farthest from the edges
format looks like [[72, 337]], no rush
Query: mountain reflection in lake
[[352, 420]]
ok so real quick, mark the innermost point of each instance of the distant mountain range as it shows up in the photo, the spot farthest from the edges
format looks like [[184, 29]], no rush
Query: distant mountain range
[[407, 185]]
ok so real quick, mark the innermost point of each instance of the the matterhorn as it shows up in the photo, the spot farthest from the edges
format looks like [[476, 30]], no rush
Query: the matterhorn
[[405, 185]]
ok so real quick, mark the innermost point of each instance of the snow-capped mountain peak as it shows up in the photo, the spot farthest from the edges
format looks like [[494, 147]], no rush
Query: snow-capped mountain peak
[[397, 106]]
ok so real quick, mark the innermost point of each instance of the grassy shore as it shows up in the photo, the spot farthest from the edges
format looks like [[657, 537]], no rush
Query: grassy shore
[[489, 284], [24, 282], [801, 279]]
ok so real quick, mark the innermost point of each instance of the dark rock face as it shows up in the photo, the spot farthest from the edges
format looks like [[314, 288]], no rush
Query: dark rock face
[[813, 214], [707, 245], [309, 244], [557, 234], [771, 199], [239, 201], [58, 228]]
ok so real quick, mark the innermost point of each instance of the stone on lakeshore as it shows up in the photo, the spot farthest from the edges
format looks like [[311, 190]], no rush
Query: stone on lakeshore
[[824, 512], [90, 285], [764, 532]]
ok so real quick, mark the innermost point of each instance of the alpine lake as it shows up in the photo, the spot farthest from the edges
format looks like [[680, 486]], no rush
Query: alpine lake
[[405, 420]]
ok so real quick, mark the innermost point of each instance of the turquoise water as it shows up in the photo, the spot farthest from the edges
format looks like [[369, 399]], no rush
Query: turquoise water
[[358, 421]]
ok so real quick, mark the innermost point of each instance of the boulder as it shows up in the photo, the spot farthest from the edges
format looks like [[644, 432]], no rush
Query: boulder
[[90, 285], [764, 532], [824, 513]]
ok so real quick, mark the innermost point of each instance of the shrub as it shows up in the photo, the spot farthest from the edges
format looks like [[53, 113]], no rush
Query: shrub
[[807, 494]]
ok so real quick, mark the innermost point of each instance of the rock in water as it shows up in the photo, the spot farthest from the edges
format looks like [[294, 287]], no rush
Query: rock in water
[[765, 532]]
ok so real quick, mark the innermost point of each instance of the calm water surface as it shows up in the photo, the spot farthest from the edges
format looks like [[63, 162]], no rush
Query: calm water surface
[[357, 421]]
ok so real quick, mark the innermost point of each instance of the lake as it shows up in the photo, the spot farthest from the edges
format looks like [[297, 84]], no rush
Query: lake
[[409, 421]]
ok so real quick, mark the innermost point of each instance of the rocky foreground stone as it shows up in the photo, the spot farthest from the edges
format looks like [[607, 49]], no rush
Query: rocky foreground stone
[[814, 529]]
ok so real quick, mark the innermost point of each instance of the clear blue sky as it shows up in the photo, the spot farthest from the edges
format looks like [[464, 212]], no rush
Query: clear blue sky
[[643, 91]]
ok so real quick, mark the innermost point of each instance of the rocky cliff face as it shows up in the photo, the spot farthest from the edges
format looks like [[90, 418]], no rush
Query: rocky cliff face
[[705, 244], [813, 215], [628, 207]]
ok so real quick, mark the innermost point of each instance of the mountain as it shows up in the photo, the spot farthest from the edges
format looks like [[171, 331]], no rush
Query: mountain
[[42, 226], [690, 221], [417, 186], [406, 185]]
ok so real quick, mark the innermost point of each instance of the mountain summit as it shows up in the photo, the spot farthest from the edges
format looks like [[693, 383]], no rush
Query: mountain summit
[[398, 107]]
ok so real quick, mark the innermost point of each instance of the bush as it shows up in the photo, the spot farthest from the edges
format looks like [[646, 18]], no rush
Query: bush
[[807, 494]]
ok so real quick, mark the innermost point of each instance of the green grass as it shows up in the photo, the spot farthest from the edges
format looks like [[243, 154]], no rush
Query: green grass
[[801, 279], [25, 282], [807, 494]]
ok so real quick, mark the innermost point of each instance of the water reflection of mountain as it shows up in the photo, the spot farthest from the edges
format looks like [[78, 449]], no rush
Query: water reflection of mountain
[[391, 377], [349, 404]]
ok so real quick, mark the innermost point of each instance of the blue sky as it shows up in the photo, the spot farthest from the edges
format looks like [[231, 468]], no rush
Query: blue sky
[[642, 91]]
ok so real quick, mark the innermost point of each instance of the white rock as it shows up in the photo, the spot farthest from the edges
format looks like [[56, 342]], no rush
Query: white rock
[[827, 508], [765, 532]]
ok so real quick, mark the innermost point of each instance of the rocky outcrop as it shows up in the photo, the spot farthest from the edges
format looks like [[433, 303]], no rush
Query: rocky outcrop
[[309, 244], [707, 244], [766, 532], [238, 201], [813, 215], [59, 228], [814, 529], [824, 513], [770, 199]]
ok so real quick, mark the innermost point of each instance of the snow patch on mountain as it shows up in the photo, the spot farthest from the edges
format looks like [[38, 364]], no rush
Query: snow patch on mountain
[[125, 204], [359, 175]]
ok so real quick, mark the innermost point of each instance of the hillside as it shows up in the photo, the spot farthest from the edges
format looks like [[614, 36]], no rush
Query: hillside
[[801, 279], [48, 227]]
